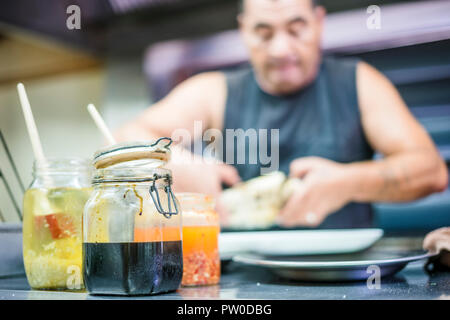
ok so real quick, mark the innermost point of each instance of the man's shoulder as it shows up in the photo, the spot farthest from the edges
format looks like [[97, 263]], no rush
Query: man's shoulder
[[200, 88], [207, 77], [204, 84], [231, 73]]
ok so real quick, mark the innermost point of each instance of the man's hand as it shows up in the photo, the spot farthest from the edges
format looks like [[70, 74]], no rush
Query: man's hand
[[438, 241], [202, 176], [323, 191]]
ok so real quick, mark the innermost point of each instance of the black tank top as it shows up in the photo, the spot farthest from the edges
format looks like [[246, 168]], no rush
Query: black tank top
[[321, 120]]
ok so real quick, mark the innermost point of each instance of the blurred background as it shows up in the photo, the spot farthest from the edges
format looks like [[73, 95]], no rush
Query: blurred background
[[130, 53]]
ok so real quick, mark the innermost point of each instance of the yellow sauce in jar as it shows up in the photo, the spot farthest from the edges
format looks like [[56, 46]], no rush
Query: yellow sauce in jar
[[52, 239]]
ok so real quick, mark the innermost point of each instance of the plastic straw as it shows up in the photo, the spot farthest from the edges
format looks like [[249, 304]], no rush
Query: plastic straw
[[31, 125], [101, 124], [33, 133]]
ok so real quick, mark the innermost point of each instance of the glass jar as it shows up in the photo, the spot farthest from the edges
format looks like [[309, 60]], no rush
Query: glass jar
[[132, 229], [201, 228], [52, 209]]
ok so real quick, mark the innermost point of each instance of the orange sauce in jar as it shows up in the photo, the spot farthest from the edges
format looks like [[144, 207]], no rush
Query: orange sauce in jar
[[201, 260]]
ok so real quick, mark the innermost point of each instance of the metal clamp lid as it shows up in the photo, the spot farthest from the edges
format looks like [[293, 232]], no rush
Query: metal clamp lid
[[153, 190]]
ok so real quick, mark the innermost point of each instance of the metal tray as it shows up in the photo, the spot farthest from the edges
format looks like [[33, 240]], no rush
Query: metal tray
[[334, 267]]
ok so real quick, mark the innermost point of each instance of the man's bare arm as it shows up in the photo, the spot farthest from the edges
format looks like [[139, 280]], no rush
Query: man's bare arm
[[411, 167], [200, 98]]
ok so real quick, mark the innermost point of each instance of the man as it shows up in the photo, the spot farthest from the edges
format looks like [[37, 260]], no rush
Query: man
[[332, 115]]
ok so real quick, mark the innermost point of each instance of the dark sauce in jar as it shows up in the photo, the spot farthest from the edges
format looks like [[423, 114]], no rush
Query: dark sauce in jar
[[136, 268]]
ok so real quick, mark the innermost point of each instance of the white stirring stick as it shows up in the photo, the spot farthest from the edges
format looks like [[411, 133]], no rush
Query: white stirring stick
[[101, 124], [44, 204], [31, 125]]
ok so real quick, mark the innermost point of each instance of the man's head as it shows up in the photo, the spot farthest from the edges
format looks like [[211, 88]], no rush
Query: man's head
[[283, 38]]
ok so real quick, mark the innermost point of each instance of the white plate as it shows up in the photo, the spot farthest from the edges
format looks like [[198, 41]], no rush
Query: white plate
[[297, 242]]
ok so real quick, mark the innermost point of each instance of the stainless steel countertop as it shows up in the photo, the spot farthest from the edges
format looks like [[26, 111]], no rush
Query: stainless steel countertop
[[241, 282]]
